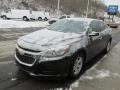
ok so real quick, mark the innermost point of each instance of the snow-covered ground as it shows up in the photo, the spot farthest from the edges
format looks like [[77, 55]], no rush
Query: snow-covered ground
[[21, 24]]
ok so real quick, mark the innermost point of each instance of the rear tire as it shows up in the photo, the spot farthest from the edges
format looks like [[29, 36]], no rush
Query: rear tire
[[39, 18], [4, 17], [78, 62]]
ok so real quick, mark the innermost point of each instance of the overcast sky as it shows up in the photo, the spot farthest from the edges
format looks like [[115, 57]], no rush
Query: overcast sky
[[112, 2]]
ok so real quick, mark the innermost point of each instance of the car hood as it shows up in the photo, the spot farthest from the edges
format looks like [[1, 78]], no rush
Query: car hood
[[44, 39]]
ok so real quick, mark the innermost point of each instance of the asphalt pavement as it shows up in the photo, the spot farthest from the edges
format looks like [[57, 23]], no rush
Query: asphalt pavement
[[101, 73]]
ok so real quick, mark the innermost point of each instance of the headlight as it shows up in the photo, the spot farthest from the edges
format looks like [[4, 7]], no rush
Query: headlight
[[58, 51]]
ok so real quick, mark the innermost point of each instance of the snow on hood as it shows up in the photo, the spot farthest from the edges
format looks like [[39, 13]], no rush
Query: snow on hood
[[44, 38]]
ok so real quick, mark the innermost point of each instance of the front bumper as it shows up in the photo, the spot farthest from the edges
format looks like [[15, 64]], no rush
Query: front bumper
[[48, 68]]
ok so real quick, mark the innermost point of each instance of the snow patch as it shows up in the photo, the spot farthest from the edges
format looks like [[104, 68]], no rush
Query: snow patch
[[75, 84], [21, 24], [102, 74], [6, 62], [95, 73], [13, 79], [116, 75], [12, 35], [98, 74]]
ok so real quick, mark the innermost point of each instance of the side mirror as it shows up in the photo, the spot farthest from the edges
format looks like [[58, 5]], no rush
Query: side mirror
[[94, 34]]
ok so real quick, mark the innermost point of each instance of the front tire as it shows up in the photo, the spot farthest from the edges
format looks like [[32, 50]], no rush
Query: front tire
[[39, 18], [25, 18], [77, 65], [45, 19]]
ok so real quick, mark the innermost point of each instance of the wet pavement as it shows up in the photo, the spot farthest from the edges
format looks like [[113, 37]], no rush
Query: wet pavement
[[101, 73]]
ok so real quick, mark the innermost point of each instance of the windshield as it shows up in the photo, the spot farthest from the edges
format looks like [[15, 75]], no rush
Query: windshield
[[69, 26]]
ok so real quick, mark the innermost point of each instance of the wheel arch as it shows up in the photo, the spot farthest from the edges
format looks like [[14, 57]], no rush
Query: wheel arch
[[83, 51], [24, 16]]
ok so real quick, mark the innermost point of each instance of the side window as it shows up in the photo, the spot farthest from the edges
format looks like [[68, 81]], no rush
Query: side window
[[95, 26], [98, 26], [68, 16], [62, 17], [103, 26]]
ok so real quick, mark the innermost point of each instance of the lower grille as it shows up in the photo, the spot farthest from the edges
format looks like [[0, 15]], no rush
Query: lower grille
[[26, 58]]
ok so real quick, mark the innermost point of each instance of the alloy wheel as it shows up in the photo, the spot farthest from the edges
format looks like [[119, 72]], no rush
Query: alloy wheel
[[78, 65]]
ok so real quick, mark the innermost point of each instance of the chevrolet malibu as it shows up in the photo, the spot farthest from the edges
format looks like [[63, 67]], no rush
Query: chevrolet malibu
[[63, 48]]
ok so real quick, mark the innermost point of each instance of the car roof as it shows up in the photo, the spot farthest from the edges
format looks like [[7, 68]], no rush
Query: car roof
[[88, 20]]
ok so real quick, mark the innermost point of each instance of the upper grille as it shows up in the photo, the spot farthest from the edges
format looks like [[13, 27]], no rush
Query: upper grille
[[26, 58]]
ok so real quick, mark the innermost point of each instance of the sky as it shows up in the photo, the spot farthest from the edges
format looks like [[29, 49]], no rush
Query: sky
[[112, 2]]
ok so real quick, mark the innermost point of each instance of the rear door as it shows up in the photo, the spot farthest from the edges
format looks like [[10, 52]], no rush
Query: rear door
[[104, 34]]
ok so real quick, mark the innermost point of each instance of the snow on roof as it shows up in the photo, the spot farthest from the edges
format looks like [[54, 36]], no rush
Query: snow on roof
[[88, 20]]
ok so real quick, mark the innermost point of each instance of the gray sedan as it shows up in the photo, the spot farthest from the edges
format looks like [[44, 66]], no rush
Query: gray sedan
[[63, 48]]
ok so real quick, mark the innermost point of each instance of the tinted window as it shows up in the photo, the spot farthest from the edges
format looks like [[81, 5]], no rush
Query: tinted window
[[95, 26], [98, 26], [62, 17], [102, 26], [68, 16]]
